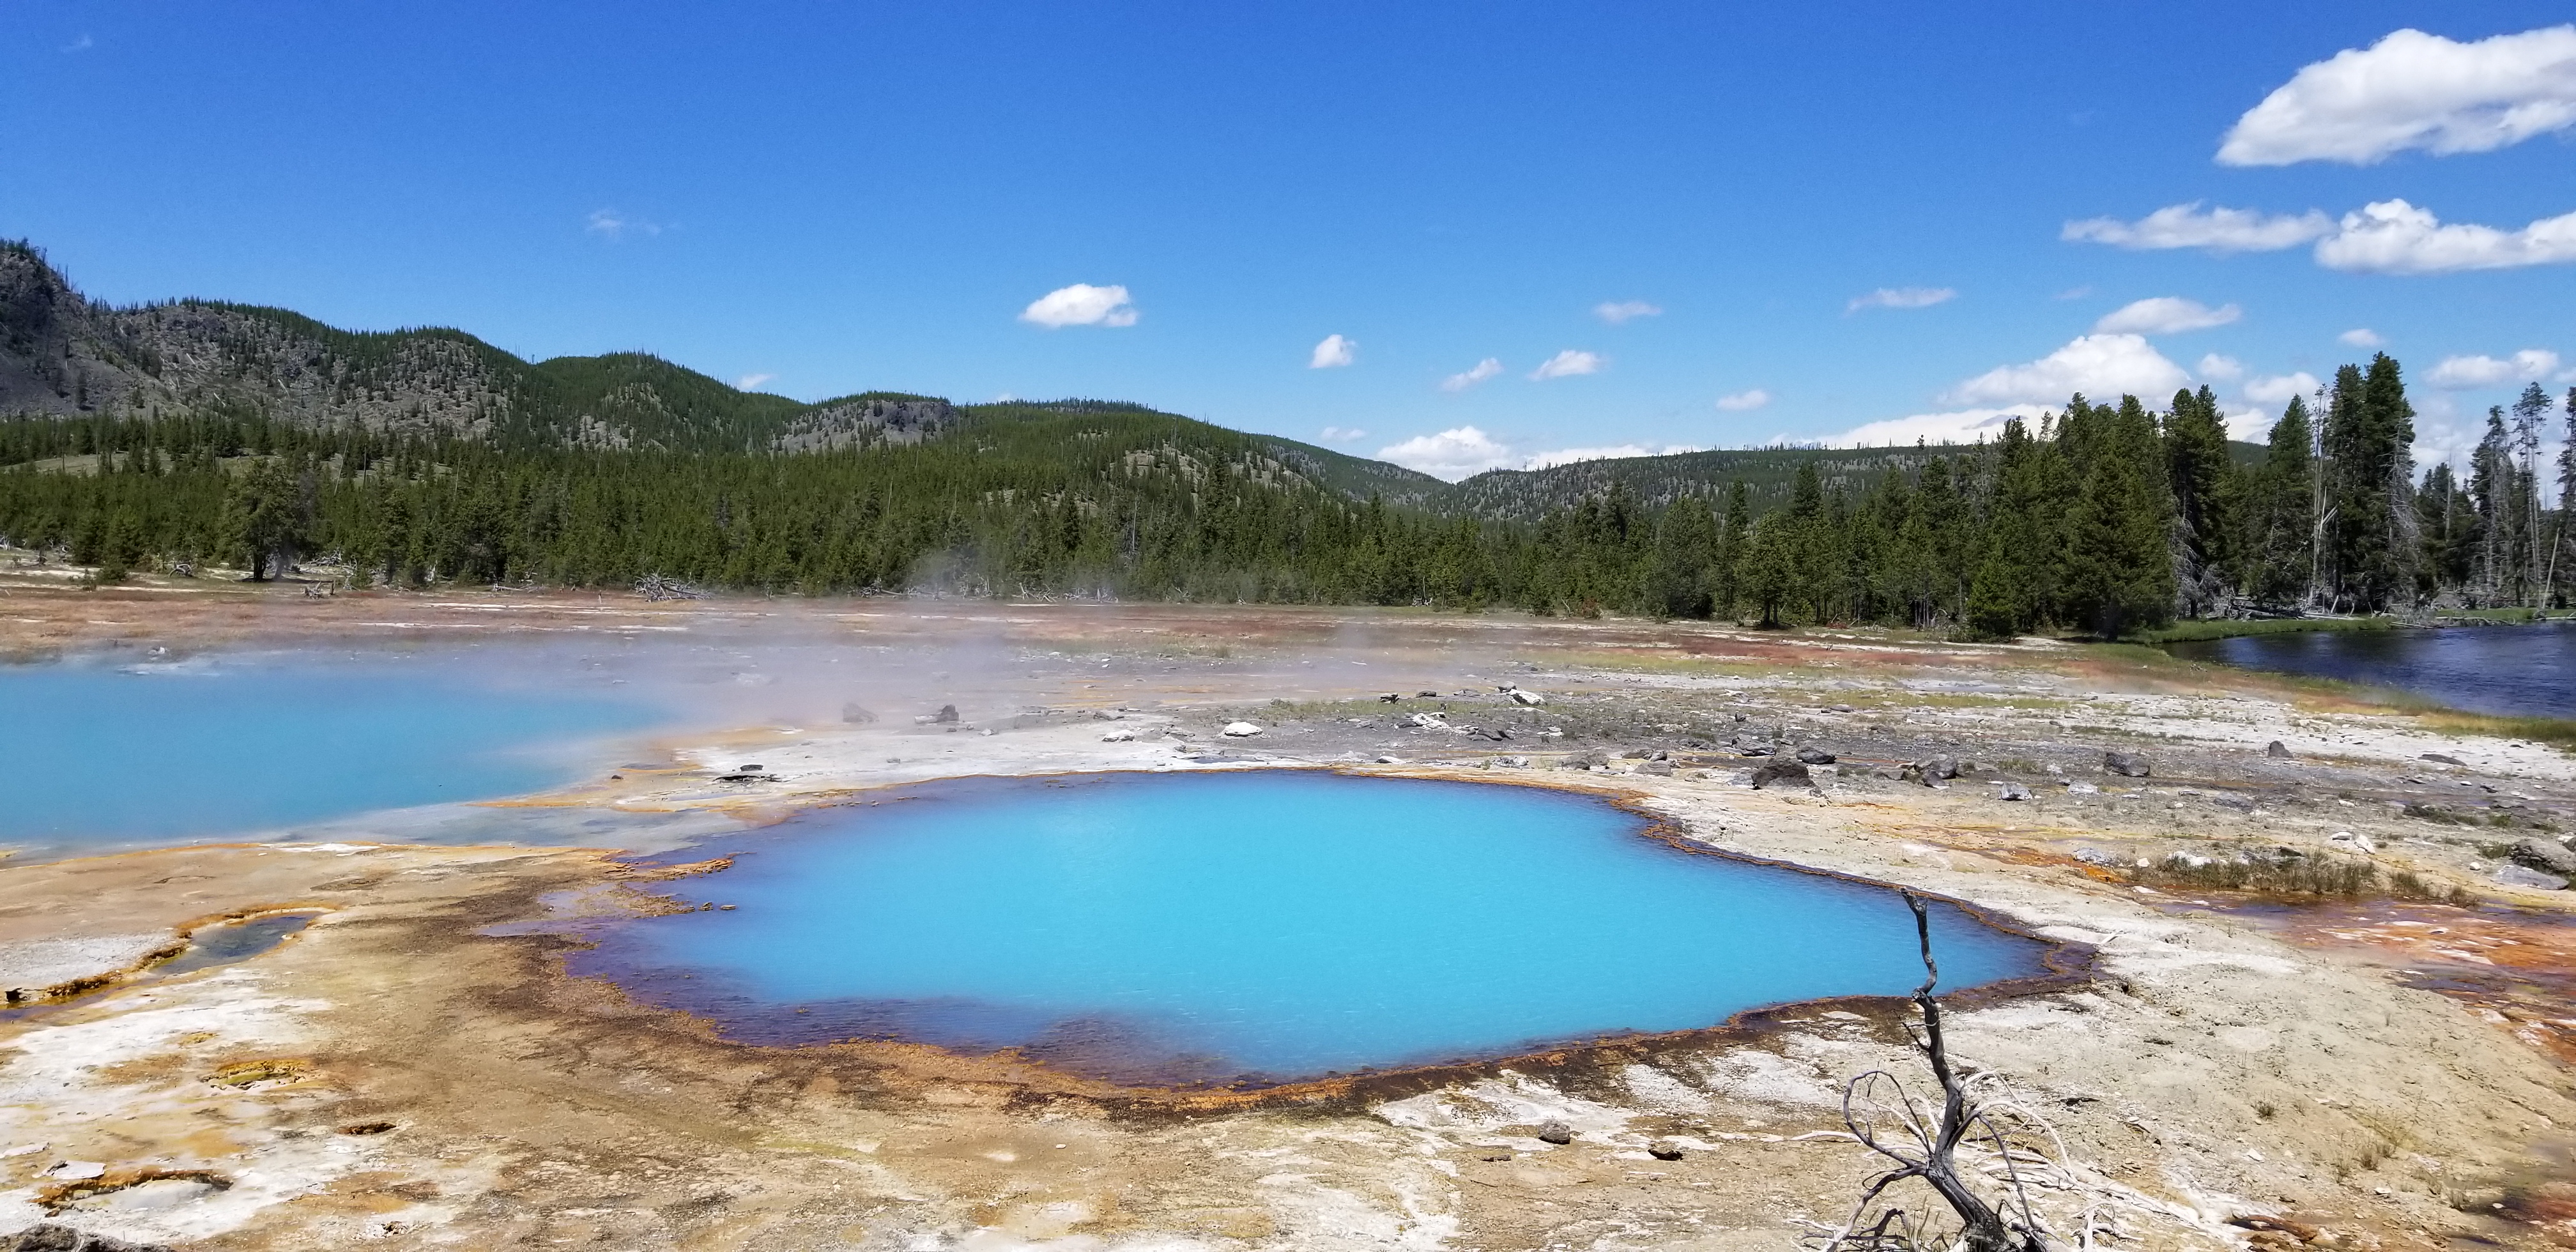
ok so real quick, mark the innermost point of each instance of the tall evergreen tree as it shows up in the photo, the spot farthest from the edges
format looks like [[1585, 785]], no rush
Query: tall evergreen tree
[[2203, 485], [2119, 563]]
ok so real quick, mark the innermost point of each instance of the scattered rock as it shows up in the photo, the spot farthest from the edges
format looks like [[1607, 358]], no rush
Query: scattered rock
[[1427, 721], [2439, 759], [2082, 789], [1426, 695], [2358, 843], [1937, 769], [1815, 756], [1661, 769], [2015, 791], [1391, 697], [1556, 1133], [2277, 751], [1664, 1150], [947, 714], [2096, 856], [1388, 760], [1240, 730], [2523, 876], [1527, 697], [1594, 759], [856, 716], [1838, 708], [48, 1237], [1512, 762], [1777, 770], [2125, 764], [2546, 855], [1119, 736]]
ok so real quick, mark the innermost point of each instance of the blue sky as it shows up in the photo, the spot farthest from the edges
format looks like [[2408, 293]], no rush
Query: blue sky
[[881, 196]]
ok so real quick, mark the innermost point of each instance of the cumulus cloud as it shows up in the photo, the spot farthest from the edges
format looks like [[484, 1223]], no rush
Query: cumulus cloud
[[1475, 374], [2412, 90], [1621, 311], [1341, 434], [1901, 298], [1333, 353], [2097, 365], [613, 225], [1571, 363], [1962, 426], [2360, 337], [2165, 315], [1744, 401], [2278, 388], [1568, 456], [2221, 368], [2190, 226], [2459, 373], [1450, 455], [751, 382], [2394, 237], [1081, 305]]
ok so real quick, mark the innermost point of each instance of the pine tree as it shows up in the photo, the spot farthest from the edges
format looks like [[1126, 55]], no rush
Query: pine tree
[[2203, 485], [2119, 569], [2286, 527]]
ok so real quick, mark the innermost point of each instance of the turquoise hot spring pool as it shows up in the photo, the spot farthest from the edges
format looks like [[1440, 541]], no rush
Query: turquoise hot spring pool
[[1258, 926]]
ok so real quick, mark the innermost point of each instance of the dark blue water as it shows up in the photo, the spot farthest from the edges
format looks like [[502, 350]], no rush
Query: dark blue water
[[1270, 925], [2506, 670], [101, 754]]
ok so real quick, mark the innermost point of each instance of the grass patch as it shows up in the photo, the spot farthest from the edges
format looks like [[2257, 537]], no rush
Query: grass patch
[[2230, 628], [2309, 877]]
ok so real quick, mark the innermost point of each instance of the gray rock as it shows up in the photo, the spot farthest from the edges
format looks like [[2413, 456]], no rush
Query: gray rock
[[1661, 769], [856, 715], [1776, 770], [1815, 756], [1587, 760], [2276, 751], [48, 1237], [1664, 1150], [2015, 791], [2546, 855], [2096, 856], [1556, 1132], [1938, 769], [2520, 876], [2125, 764], [947, 713], [2439, 759]]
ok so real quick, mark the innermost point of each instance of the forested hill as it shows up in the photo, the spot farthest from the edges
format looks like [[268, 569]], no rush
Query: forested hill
[[1769, 476], [63, 355]]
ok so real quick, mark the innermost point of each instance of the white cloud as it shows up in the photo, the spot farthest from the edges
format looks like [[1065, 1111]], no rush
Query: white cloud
[[1568, 456], [2218, 368], [1744, 401], [2100, 366], [2250, 425], [1964, 426], [1571, 363], [82, 44], [1081, 305], [2394, 237], [1450, 455], [2074, 293], [615, 225], [2188, 226], [2360, 337], [1622, 311], [1481, 371], [2165, 315], [1341, 434], [1333, 353], [1901, 298], [2278, 388], [2412, 90], [2459, 373], [751, 382]]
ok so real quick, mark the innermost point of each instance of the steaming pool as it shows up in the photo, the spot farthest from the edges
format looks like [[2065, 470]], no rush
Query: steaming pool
[[1257, 926]]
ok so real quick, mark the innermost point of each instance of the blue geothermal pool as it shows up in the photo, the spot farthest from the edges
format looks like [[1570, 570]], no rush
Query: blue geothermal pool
[[103, 752], [1264, 926]]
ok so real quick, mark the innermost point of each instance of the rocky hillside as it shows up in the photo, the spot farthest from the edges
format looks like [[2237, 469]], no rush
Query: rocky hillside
[[65, 355]]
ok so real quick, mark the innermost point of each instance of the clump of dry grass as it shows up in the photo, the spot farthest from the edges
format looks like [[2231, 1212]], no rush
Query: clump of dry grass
[[2296, 877]]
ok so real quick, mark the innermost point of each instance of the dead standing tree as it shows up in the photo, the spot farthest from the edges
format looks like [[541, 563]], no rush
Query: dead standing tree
[[1886, 1119]]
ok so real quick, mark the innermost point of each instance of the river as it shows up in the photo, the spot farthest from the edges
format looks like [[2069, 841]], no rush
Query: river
[[2527, 671]]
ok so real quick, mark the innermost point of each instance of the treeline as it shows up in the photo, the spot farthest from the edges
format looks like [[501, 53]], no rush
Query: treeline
[[2100, 518]]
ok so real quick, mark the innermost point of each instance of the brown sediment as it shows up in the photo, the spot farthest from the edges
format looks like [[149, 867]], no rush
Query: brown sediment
[[184, 933], [63, 1195]]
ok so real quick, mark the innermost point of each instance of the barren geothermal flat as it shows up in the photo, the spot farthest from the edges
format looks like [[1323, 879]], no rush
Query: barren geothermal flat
[[901, 923]]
